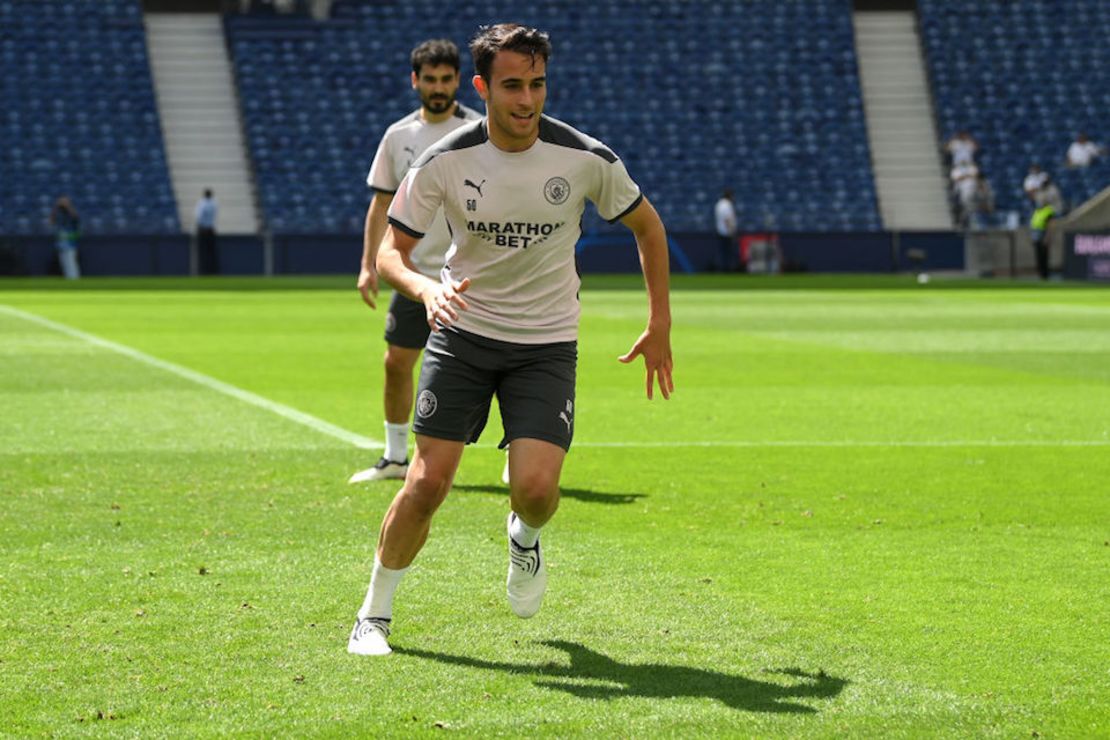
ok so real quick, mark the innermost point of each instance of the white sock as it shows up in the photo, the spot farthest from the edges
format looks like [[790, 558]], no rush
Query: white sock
[[396, 442], [379, 597], [522, 534]]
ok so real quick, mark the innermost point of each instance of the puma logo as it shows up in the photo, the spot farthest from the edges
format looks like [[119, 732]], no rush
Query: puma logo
[[470, 184], [563, 416], [567, 415]]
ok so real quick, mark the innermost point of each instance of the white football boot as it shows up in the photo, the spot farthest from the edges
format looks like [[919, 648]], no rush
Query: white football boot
[[527, 576], [370, 637], [382, 470]]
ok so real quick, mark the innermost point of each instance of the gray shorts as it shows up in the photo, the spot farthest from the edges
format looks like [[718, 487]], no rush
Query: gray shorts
[[406, 324], [461, 373]]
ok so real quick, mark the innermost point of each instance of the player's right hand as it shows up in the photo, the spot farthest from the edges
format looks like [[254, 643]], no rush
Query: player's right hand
[[368, 286], [442, 300]]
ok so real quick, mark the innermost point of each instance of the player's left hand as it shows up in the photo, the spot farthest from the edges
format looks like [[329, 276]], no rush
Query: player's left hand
[[655, 346]]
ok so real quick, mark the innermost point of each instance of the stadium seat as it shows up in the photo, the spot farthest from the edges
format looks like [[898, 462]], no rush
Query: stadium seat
[[1023, 76], [78, 99], [693, 107]]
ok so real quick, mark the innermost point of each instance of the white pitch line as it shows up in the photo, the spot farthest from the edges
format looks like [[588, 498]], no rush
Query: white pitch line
[[863, 443], [207, 381]]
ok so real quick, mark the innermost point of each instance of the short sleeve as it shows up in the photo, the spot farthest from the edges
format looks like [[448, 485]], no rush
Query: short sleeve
[[382, 177], [616, 195], [417, 200]]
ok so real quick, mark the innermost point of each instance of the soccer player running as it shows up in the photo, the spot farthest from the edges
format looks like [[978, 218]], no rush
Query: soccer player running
[[505, 311], [435, 77]]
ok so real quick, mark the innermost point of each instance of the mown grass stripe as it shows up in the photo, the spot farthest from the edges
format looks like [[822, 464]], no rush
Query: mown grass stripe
[[360, 441], [207, 381]]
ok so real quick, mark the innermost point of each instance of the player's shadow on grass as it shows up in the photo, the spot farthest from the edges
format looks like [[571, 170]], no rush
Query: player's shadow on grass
[[610, 679], [580, 494]]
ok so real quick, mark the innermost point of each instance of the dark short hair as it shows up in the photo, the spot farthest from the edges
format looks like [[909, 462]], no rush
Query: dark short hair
[[435, 52], [507, 37]]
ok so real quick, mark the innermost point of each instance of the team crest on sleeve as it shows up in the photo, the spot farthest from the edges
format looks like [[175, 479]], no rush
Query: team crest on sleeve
[[557, 190], [426, 404]]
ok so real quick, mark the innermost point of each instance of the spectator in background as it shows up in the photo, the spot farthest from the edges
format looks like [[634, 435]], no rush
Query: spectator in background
[[1050, 205], [961, 148], [67, 225], [1083, 151], [1050, 195], [982, 203], [725, 216], [965, 178], [206, 210], [1034, 181]]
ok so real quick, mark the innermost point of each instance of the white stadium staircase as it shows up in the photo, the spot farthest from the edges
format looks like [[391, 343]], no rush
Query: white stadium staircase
[[200, 118], [910, 178]]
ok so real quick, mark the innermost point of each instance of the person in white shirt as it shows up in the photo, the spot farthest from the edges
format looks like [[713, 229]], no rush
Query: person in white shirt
[[504, 312], [1083, 151], [435, 78], [961, 148], [1034, 181], [725, 217], [965, 179]]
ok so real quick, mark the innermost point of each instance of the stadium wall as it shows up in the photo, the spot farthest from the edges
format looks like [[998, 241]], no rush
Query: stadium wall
[[1087, 255], [321, 254], [1085, 240]]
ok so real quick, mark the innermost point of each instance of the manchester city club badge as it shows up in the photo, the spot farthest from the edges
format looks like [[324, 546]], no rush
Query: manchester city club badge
[[557, 190]]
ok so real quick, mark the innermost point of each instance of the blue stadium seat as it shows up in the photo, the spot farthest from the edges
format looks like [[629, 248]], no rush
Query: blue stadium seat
[[78, 99], [1023, 76], [762, 112]]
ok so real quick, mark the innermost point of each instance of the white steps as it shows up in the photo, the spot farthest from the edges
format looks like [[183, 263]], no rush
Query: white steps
[[200, 118], [909, 174]]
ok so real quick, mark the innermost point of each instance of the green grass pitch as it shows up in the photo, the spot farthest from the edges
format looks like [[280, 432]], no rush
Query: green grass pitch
[[871, 509]]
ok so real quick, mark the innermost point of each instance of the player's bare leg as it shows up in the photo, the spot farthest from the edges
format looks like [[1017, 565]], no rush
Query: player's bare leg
[[399, 365], [397, 401], [409, 517], [404, 531], [534, 469]]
